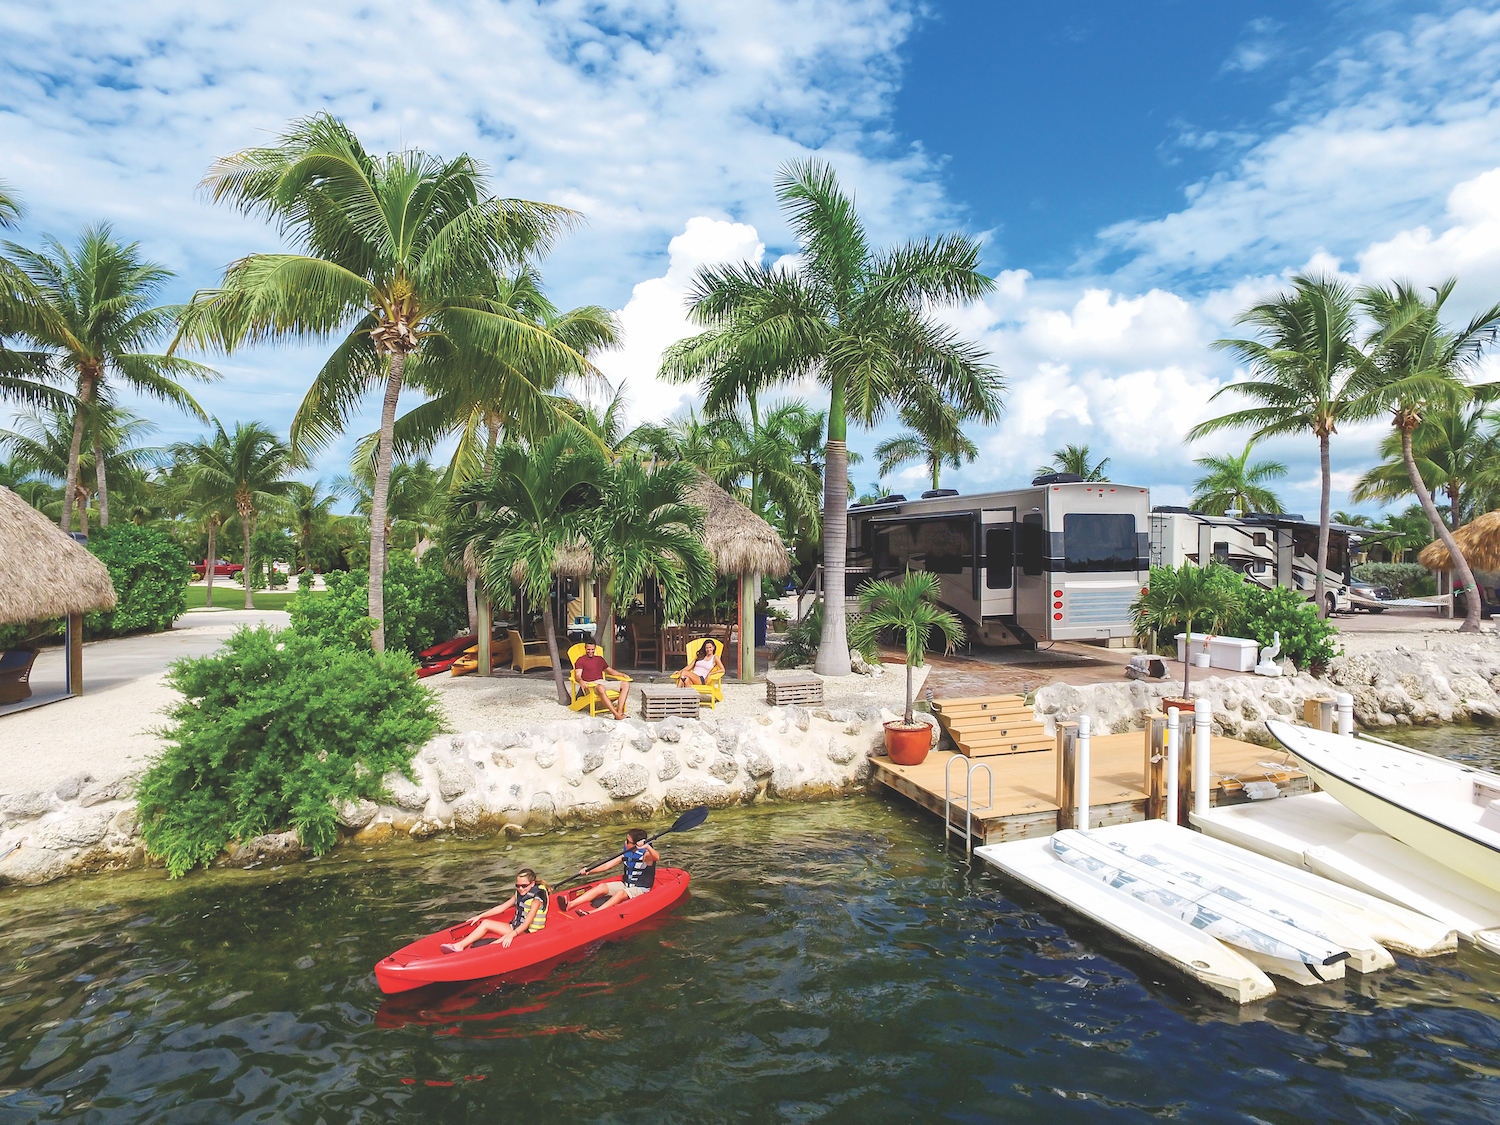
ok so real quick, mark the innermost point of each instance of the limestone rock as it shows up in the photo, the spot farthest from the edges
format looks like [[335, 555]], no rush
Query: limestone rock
[[593, 754], [32, 866], [469, 815], [573, 778], [502, 759], [126, 822], [274, 847], [644, 809], [841, 753], [625, 780], [542, 807], [669, 768], [24, 806], [69, 787], [376, 832], [669, 729], [78, 831], [513, 831], [424, 828], [546, 757], [691, 792], [724, 768], [405, 793], [801, 717], [454, 778], [758, 763], [357, 814], [112, 790]]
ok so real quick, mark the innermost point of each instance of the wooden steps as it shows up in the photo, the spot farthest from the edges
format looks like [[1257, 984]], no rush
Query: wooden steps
[[987, 726]]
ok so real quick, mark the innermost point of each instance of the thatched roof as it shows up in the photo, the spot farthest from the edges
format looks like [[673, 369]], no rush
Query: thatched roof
[[1479, 541], [44, 572]]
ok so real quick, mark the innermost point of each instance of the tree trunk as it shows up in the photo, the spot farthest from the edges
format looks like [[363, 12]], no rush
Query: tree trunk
[[1460, 564], [604, 623], [83, 511], [208, 569], [379, 497], [1322, 560], [473, 598], [1187, 660], [937, 469], [245, 576], [70, 487], [833, 647], [99, 480], [549, 627], [907, 718]]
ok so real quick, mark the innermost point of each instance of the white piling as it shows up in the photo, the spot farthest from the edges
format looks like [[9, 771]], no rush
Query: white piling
[[1083, 772], [1174, 727], [1346, 714], [1203, 714]]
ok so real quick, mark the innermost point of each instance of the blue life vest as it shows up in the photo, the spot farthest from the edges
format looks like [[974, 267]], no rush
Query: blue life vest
[[534, 893], [638, 873]]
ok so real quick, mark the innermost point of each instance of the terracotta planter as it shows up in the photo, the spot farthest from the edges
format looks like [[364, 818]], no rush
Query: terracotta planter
[[907, 746], [1184, 707]]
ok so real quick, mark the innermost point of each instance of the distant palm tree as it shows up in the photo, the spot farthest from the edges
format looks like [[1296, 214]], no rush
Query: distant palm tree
[[874, 494], [27, 377], [934, 435], [1233, 483], [244, 472], [41, 442], [1302, 369], [401, 253], [1455, 450], [1352, 519], [308, 508], [1075, 459], [1419, 366], [98, 297]]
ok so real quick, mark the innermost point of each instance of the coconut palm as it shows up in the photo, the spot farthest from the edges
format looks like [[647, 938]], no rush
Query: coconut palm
[[1454, 450], [1418, 366], [520, 520], [646, 527], [874, 494], [860, 321], [1075, 459], [244, 472], [1180, 596], [909, 608], [1352, 519], [308, 509], [98, 297], [934, 436], [1302, 369], [27, 377], [1233, 483], [399, 256]]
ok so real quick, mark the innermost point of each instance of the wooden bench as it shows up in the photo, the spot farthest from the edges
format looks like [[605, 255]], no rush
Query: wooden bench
[[660, 700], [788, 687]]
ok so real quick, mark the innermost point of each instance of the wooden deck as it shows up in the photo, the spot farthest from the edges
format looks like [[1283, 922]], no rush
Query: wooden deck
[[1024, 801]]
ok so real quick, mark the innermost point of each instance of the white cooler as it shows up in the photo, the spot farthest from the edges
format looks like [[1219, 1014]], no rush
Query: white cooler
[[1232, 653]]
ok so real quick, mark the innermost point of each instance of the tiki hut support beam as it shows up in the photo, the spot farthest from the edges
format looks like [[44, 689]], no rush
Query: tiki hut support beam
[[486, 628], [749, 588], [74, 643]]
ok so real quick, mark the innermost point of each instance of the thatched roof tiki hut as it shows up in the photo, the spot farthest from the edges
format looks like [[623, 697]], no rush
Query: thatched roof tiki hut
[[45, 573], [1480, 543]]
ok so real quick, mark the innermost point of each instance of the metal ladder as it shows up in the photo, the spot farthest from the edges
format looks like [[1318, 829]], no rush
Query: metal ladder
[[969, 810]]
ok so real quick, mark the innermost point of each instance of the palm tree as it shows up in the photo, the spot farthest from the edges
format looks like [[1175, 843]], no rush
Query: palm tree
[[874, 494], [244, 472], [1178, 596], [645, 527], [26, 377], [909, 608], [934, 435], [1302, 370], [41, 444], [309, 508], [858, 320], [1417, 367], [1075, 459], [1352, 519], [1232, 483], [1454, 450], [101, 318], [519, 520], [400, 256]]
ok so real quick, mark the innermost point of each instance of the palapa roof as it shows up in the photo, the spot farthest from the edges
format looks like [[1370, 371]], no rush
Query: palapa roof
[[1479, 541], [44, 572]]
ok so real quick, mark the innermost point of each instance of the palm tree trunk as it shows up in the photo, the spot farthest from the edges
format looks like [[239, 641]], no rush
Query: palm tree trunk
[[937, 468], [245, 575], [755, 445], [208, 570], [379, 497], [83, 511], [1187, 660], [604, 629], [473, 599], [70, 487], [1322, 560], [1460, 564], [100, 482], [833, 648], [906, 720], [549, 626]]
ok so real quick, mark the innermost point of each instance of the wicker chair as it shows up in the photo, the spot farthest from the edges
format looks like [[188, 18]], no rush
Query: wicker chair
[[581, 698], [522, 660], [15, 670]]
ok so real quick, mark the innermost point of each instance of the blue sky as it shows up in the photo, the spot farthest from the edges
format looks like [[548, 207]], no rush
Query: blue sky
[[1139, 171]]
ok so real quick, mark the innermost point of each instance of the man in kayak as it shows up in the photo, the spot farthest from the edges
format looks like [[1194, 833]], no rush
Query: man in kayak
[[529, 906], [591, 669], [639, 859]]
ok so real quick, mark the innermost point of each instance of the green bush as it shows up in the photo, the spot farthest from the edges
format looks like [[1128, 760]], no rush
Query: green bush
[[800, 645], [1305, 638], [423, 605], [1402, 578], [273, 731], [150, 574]]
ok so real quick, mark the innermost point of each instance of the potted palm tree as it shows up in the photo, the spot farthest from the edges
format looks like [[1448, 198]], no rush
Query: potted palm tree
[[1179, 597], [909, 608]]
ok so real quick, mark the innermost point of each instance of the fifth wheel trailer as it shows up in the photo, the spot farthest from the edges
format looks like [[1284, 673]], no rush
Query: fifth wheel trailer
[[1060, 560]]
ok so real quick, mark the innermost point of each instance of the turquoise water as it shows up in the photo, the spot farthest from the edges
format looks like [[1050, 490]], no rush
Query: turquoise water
[[831, 964]]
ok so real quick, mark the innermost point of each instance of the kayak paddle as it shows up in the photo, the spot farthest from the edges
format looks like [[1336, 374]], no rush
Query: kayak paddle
[[684, 823]]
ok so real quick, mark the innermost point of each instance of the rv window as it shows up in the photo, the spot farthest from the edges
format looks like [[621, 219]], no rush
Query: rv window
[[939, 546], [999, 557], [1221, 552], [1033, 545], [1094, 541], [1259, 538]]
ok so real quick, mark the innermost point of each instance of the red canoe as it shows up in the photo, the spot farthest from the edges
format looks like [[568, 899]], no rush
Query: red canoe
[[422, 962]]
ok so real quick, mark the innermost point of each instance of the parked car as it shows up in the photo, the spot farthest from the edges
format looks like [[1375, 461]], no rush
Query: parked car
[[1369, 590], [222, 569]]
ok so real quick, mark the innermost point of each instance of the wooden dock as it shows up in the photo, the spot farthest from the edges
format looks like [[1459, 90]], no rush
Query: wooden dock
[[1024, 801]]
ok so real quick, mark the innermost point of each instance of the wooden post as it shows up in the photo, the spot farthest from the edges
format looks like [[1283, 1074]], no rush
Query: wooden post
[[1186, 744], [1318, 713], [1067, 775], [486, 629], [1156, 767], [74, 640], [749, 595]]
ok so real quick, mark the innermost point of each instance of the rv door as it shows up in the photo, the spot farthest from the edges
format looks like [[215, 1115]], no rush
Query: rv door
[[997, 547]]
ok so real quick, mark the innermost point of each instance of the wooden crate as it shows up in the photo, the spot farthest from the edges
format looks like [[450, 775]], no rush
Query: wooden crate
[[660, 700], [783, 688]]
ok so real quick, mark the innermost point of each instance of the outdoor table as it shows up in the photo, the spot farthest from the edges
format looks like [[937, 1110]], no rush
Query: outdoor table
[[660, 700]]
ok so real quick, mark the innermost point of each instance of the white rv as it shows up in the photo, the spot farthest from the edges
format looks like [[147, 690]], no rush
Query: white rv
[[1269, 549], [1061, 560]]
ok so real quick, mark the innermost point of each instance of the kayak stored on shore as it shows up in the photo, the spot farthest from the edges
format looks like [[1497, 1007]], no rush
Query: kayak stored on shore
[[423, 961]]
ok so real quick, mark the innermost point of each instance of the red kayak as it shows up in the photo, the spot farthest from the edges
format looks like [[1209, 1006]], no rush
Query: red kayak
[[423, 962]]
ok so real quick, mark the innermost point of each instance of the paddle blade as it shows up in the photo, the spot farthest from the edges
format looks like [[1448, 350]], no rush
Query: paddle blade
[[689, 820]]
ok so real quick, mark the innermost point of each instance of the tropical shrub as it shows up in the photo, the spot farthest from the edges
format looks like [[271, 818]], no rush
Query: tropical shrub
[[801, 640], [150, 574], [423, 605], [1402, 578], [1306, 638], [273, 732]]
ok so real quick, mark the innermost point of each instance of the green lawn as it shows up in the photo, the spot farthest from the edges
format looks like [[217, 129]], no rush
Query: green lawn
[[231, 596]]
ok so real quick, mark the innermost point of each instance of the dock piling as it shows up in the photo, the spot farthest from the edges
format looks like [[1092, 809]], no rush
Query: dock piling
[[1174, 742], [1067, 775], [1346, 714], [1203, 715], [1156, 766], [1083, 772]]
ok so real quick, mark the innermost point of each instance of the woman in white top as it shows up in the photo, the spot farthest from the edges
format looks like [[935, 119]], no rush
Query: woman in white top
[[706, 665]]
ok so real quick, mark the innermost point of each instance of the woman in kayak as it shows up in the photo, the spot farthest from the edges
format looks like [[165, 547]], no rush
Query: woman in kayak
[[530, 914], [639, 859]]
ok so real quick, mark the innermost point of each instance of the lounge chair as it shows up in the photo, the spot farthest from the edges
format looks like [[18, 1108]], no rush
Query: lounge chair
[[713, 691], [581, 698], [15, 670], [523, 660]]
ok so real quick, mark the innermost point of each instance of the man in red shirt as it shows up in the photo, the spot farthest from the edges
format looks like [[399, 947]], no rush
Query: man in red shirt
[[591, 669]]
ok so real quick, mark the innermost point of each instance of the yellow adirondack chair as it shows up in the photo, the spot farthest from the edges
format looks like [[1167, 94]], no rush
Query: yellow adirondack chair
[[712, 691], [582, 698]]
